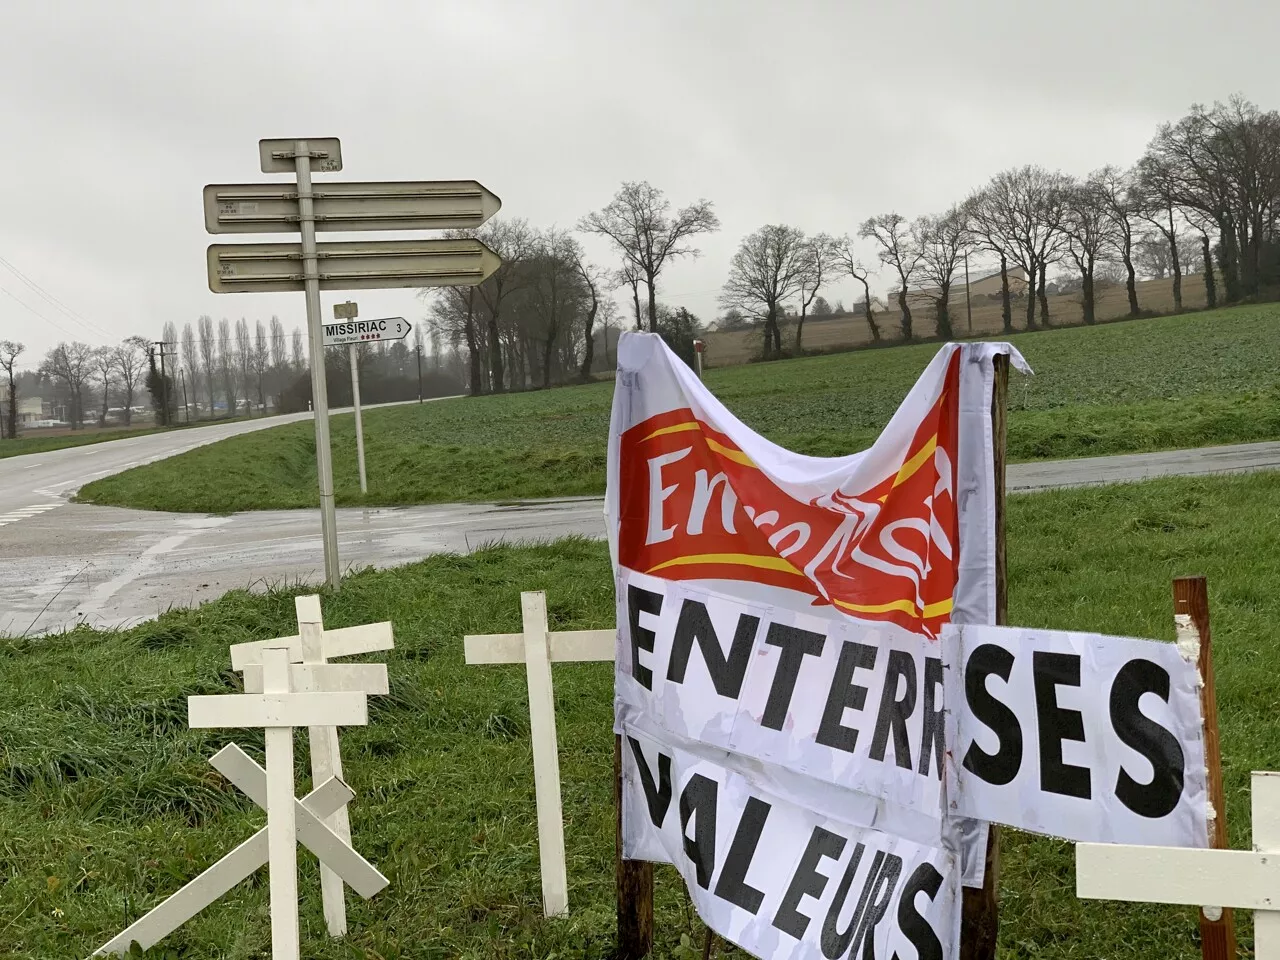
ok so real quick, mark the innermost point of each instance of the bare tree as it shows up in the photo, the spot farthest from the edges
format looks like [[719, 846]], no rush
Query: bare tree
[[1151, 255], [851, 266], [767, 270], [244, 359], [1092, 234], [191, 362], [628, 275], [941, 242], [227, 365], [71, 363], [1159, 207], [104, 369], [821, 264], [261, 361], [985, 226], [130, 359], [513, 241], [279, 357], [893, 235], [298, 351], [208, 354], [556, 290], [1117, 189], [1023, 209], [591, 282], [639, 222], [10, 350]]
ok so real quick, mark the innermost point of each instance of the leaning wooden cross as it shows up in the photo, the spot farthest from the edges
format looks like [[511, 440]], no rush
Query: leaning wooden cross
[[537, 648], [313, 647], [1222, 878]]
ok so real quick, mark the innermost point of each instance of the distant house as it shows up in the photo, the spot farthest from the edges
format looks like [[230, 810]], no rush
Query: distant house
[[30, 409], [986, 286]]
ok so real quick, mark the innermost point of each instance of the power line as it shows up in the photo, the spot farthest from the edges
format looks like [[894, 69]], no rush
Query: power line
[[36, 312], [54, 301]]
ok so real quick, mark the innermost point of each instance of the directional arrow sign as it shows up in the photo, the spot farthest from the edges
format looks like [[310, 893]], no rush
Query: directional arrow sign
[[366, 331], [359, 265], [406, 205]]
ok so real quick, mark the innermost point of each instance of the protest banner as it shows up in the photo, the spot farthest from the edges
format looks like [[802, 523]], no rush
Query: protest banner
[[1087, 737], [719, 536]]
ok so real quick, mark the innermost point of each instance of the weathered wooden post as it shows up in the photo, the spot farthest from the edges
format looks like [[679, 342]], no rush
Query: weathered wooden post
[[1191, 623]]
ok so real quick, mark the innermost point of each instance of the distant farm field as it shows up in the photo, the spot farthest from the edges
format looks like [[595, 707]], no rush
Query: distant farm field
[[1165, 383], [108, 804]]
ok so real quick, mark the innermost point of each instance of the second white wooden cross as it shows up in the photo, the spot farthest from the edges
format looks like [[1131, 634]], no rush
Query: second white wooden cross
[[537, 648], [1221, 878], [313, 647]]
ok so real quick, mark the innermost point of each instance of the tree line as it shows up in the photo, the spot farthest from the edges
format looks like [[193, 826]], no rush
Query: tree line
[[1204, 197]]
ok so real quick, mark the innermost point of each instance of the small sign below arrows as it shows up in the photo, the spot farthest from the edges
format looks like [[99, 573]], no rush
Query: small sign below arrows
[[366, 331]]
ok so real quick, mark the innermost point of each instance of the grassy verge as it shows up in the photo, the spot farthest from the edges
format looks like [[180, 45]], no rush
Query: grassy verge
[[1164, 383], [107, 803], [90, 435]]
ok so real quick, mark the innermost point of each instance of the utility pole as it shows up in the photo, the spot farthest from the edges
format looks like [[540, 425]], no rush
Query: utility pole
[[186, 410], [164, 382]]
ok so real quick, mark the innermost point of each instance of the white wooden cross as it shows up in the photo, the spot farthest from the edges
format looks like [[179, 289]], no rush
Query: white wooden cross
[[1224, 878], [537, 648], [313, 647], [279, 711]]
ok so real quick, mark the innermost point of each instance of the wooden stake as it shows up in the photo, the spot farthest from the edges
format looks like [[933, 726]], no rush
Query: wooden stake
[[980, 911], [635, 884], [1191, 619]]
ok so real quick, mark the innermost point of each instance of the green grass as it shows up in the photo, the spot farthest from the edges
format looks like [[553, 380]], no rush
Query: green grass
[[81, 438], [107, 803], [1194, 380]]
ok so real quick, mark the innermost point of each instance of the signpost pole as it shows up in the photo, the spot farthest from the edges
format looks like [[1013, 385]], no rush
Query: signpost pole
[[355, 401], [319, 388]]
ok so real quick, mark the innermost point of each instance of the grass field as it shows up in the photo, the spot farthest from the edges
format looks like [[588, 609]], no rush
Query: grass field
[[43, 441], [1187, 381], [107, 803]]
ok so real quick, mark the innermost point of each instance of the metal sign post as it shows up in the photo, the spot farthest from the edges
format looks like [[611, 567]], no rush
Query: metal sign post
[[349, 311], [310, 267]]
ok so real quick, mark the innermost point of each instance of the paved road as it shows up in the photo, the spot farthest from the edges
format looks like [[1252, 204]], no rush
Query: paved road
[[64, 563]]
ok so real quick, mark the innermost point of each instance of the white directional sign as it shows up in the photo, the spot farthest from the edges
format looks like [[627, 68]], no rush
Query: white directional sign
[[366, 331], [350, 265], [280, 156], [402, 205]]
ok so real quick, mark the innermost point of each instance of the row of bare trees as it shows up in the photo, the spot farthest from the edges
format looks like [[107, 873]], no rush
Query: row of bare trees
[[82, 374]]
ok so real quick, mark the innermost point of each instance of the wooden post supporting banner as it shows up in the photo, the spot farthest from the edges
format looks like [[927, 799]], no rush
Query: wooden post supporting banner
[[634, 883], [980, 911], [1191, 622]]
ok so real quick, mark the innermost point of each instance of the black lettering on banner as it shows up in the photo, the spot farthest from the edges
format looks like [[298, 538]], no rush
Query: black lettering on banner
[[878, 905], [732, 885], [1139, 732], [924, 879], [807, 881], [657, 796], [844, 694], [641, 601], [894, 713], [931, 740], [698, 801], [835, 941], [695, 626], [1002, 766], [796, 644], [1055, 723]]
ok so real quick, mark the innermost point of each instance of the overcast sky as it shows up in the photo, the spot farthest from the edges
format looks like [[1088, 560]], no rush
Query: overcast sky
[[817, 113]]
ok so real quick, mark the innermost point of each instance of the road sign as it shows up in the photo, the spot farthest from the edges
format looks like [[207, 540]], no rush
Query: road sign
[[278, 156], [346, 311], [395, 205], [366, 331], [358, 265]]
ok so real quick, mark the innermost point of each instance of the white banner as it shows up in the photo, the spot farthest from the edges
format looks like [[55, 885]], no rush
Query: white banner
[[776, 878], [1087, 737]]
